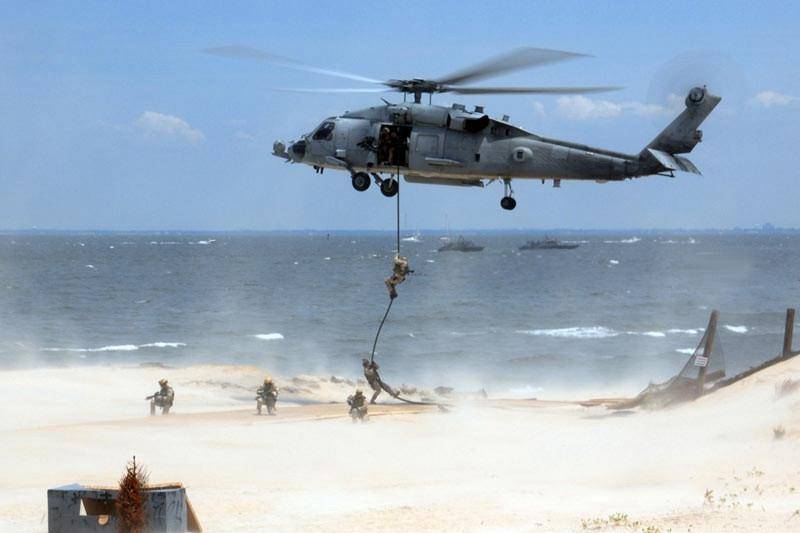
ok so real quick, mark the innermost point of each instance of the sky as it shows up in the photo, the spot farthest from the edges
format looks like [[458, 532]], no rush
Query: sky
[[112, 118]]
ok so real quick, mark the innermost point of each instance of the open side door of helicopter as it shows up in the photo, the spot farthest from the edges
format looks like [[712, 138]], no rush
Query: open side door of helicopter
[[393, 145]]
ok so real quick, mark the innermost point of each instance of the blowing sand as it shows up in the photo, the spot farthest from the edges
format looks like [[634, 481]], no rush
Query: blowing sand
[[713, 465]]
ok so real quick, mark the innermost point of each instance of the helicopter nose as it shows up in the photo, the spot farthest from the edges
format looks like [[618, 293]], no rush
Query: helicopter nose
[[298, 149]]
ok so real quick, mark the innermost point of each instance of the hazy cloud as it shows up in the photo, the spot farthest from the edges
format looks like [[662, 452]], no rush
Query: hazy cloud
[[774, 99], [168, 126], [244, 136], [582, 108], [538, 109]]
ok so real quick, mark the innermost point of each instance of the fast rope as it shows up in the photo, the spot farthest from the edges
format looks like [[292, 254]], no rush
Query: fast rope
[[397, 244], [386, 387], [380, 327]]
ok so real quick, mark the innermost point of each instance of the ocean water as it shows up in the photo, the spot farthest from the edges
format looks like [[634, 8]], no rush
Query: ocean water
[[613, 314]]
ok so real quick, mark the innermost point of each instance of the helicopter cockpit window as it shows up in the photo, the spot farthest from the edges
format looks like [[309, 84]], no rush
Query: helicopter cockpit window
[[325, 131]]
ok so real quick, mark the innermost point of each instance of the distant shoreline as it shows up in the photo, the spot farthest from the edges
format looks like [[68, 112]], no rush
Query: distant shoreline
[[439, 231]]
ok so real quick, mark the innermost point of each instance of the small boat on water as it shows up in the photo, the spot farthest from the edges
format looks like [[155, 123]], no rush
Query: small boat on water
[[460, 245], [548, 244], [417, 237]]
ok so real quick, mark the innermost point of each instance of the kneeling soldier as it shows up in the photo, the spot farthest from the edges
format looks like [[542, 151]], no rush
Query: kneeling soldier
[[358, 406], [164, 398], [267, 394]]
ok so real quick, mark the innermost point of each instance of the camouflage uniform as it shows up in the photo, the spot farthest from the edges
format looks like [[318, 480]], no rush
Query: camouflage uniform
[[387, 146], [399, 273], [164, 398], [358, 406], [267, 394], [374, 380], [393, 141]]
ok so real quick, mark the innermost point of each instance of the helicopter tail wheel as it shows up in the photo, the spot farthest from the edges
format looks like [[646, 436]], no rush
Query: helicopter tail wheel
[[508, 203], [361, 181], [390, 187]]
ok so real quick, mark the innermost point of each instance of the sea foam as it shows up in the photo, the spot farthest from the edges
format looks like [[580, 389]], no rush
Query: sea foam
[[651, 333], [162, 345], [269, 336], [590, 332], [736, 329], [601, 332], [686, 331], [632, 240], [118, 347]]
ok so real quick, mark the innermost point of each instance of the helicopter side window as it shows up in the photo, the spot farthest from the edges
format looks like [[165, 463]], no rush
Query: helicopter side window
[[324, 132]]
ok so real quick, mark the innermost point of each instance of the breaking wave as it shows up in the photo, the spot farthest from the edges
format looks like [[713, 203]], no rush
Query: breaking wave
[[601, 332], [692, 331], [118, 347], [691, 240], [685, 351], [591, 332], [736, 329], [269, 336], [632, 240], [162, 345]]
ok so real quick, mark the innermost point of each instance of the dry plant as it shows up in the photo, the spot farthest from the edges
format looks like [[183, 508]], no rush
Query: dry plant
[[616, 520], [787, 387], [778, 432], [651, 529], [130, 505]]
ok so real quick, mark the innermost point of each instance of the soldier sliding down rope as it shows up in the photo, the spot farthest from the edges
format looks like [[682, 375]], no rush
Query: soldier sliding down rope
[[374, 380], [399, 273]]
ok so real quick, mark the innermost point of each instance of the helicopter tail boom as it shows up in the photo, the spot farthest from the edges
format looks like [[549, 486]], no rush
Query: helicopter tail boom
[[682, 135]]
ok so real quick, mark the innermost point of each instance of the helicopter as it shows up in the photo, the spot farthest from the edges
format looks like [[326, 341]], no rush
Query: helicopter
[[439, 145]]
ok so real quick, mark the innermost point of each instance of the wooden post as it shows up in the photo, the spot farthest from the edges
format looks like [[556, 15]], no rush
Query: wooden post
[[788, 333], [711, 332]]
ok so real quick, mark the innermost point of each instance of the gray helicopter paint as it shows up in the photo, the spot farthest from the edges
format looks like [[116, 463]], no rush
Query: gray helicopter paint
[[442, 150]]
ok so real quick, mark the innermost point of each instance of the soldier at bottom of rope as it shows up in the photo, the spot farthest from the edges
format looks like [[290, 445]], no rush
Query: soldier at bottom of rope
[[399, 272], [375, 382]]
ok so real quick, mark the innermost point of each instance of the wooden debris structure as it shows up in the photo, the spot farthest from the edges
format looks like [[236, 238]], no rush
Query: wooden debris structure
[[703, 373]]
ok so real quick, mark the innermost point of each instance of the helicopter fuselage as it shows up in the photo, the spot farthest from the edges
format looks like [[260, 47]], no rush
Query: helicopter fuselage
[[453, 146]]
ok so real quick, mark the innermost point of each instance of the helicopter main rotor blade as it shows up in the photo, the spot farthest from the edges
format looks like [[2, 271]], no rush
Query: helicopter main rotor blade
[[335, 90], [516, 59], [527, 90], [246, 52]]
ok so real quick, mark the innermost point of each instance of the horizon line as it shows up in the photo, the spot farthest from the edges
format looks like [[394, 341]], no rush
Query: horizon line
[[736, 229]]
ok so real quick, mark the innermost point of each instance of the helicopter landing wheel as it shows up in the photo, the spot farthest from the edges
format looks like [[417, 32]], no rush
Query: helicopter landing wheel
[[508, 203], [361, 181], [390, 187]]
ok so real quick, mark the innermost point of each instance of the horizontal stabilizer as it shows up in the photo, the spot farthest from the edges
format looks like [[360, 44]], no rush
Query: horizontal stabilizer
[[673, 162]]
